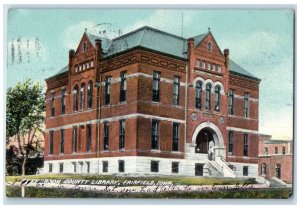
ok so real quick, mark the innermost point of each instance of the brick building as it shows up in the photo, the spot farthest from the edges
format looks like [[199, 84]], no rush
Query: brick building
[[275, 158], [152, 103]]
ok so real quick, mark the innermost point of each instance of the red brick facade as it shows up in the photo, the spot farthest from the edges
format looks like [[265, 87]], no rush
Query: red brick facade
[[275, 158], [138, 110]]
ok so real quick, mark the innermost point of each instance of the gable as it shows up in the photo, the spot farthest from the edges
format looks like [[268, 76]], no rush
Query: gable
[[202, 47], [84, 45]]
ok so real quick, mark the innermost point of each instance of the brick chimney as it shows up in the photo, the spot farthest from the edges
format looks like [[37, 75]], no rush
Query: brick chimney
[[191, 58], [98, 49], [226, 55], [71, 56]]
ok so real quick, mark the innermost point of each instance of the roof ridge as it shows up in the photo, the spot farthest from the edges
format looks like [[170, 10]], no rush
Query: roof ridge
[[150, 28]]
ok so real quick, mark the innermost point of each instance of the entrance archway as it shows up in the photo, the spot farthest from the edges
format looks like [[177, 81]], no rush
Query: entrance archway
[[208, 135], [204, 141]]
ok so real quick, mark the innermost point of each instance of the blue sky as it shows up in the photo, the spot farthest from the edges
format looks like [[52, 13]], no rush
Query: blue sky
[[259, 40]]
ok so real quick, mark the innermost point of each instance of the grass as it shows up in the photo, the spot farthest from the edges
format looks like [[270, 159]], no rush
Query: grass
[[283, 193], [175, 180]]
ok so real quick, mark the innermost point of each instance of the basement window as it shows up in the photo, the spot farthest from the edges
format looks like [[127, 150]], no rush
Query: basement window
[[154, 166], [121, 166], [175, 167], [105, 166], [245, 170]]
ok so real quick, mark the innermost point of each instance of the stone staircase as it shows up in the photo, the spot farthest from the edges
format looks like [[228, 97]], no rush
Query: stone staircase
[[220, 168], [278, 183]]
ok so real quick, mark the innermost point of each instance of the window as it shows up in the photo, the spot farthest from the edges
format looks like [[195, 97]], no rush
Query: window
[[175, 141], [283, 150], [62, 141], [50, 167], [82, 89], [123, 87], [264, 169], [121, 166], [106, 135], [104, 166], [176, 86], [61, 167], [90, 94], [246, 105], [209, 46], [198, 63], [175, 167], [63, 101], [84, 46], [51, 143], [245, 170], [207, 100], [88, 166], [198, 94], [213, 67], [74, 167], [107, 90], [276, 150], [52, 109], [74, 144], [203, 64], [75, 98], [266, 152], [230, 147], [208, 66], [219, 68], [231, 102], [155, 86], [154, 166], [122, 134], [245, 145], [217, 98], [155, 137], [88, 137]]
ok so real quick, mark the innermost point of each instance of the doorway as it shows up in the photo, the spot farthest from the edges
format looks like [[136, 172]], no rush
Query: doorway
[[278, 171], [199, 169]]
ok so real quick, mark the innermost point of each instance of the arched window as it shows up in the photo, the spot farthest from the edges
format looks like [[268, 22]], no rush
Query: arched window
[[208, 93], [82, 91], [209, 46], [84, 46], [217, 98], [75, 98], [90, 94], [198, 94]]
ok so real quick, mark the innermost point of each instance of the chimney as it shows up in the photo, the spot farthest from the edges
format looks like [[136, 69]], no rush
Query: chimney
[[97, 59], [98, 49], [226, 55], [191, 58], [71, 56]]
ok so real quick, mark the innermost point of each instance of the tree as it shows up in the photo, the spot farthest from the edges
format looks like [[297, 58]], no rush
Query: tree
[[25, 106]]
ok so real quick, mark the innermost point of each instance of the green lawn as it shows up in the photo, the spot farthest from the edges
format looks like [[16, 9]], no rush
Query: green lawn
[[175, 180]]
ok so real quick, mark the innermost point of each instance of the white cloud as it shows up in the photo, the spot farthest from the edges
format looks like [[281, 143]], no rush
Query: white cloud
[[166, 20], [255, 48]]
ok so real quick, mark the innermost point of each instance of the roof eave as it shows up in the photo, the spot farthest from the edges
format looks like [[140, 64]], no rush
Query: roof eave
[[246, 76], [55, 76]]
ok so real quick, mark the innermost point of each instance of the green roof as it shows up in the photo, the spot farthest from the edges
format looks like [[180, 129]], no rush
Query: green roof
[[154, 40], [237, 69]]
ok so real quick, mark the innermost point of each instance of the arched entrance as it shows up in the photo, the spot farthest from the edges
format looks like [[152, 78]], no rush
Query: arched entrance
[[204, 141], [208, 136]]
